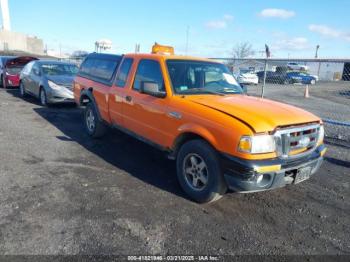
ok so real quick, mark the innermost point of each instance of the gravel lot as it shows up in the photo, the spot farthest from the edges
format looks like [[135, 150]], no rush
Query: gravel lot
[[63, 193]]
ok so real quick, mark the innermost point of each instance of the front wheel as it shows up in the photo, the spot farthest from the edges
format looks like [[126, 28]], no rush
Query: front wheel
[[286, 81], [3, 83], [43, 97], [199, 172], [313, 82], [22, 90], [94, 127]]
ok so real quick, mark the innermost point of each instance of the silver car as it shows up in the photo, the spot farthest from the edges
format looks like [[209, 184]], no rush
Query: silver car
[[50, 81]]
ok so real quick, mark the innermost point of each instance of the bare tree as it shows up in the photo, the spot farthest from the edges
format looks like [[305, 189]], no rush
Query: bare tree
[[242, 50]]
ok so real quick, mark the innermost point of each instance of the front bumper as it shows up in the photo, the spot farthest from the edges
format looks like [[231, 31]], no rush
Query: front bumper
[[60, 96], [242, 175]]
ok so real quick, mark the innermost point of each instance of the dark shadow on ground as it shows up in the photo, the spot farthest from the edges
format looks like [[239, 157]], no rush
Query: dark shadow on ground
[[338, 162], [122, 151]]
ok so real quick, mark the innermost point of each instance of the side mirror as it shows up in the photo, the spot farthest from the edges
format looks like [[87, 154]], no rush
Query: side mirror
[[36, 72], [152, 89]]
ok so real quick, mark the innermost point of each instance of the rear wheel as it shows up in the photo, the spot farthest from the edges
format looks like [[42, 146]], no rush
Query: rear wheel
[[94, 127], [199, 172]]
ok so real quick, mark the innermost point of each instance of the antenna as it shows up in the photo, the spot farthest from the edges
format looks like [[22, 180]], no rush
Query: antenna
[[5, 15]]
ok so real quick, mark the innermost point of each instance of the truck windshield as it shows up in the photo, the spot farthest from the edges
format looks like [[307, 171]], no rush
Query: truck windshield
[[197, 77]]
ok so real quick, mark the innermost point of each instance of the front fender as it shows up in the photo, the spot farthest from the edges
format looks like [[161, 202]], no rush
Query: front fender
[[200, 131]]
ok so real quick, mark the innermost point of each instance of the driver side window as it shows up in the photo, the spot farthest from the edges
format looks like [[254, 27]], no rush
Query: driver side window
[[148, 71]]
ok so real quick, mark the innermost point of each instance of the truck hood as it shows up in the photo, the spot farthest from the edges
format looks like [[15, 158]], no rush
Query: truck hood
[[262, 115]]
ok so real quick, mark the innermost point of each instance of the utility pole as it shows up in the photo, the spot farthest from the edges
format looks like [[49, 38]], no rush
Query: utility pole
[[319, 63], [317, 48], [268, 55]]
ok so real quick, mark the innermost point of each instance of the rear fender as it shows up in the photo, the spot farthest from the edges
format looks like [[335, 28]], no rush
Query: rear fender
[[87, 94]]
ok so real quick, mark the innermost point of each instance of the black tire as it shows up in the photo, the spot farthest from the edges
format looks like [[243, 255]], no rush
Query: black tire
[[43, 97], [93, 126], [215, 186], [1, 82], [22, 90], [286, 81]]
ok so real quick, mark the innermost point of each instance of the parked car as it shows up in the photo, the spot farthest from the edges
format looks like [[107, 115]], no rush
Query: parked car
[[273, 77], [296, 66], [303, 78], [285, 78], [3, 60], [247, 77], [12, 68], [50, 81], [194, 110]]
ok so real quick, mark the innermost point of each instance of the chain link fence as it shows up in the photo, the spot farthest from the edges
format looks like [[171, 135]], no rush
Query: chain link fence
[[319, 86]]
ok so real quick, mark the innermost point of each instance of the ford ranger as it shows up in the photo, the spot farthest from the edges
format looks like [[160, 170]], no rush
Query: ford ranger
[[195, 111]]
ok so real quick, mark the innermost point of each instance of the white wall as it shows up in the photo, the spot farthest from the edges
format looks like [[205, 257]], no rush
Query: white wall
[[20, 42]]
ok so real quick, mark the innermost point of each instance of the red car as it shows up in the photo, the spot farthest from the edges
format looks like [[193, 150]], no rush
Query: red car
[[12, 68]]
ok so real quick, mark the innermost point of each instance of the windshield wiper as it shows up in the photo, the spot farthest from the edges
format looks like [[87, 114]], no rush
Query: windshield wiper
[[203, 91], [228, 91]]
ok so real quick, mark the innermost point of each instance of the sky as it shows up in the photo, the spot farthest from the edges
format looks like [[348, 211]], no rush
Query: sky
[[214, 27]]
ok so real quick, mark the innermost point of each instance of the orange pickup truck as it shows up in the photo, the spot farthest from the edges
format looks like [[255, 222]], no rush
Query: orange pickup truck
[[195, 111]]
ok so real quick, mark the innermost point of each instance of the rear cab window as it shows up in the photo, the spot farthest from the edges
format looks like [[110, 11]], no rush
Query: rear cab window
[[124, 71], [100, 68]]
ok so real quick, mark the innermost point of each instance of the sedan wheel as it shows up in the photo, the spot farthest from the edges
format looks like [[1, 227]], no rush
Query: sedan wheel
[[22, 90], [43, 98], [313, 82]]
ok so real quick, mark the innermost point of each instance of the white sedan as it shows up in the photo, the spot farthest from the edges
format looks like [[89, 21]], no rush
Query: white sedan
[[247, 78], [296, 66]]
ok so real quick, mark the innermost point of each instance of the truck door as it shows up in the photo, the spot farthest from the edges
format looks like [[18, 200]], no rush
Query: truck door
[[118, 91], [143, 114]]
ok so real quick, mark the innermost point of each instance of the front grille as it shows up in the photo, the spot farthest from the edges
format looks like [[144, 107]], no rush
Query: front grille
[[297, 141]]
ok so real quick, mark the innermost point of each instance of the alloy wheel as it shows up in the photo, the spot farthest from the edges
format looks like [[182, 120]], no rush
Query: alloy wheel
[[90, 120], [195, 171]]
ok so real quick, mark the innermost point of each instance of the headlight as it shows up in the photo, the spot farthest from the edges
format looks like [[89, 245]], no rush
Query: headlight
[[321, 135], [54, 86], [257, 144]]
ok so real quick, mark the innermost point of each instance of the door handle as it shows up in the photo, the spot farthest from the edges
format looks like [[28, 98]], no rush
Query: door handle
[[128, 98]]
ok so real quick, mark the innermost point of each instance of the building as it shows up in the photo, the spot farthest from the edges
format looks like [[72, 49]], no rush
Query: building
[[13, 41]]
